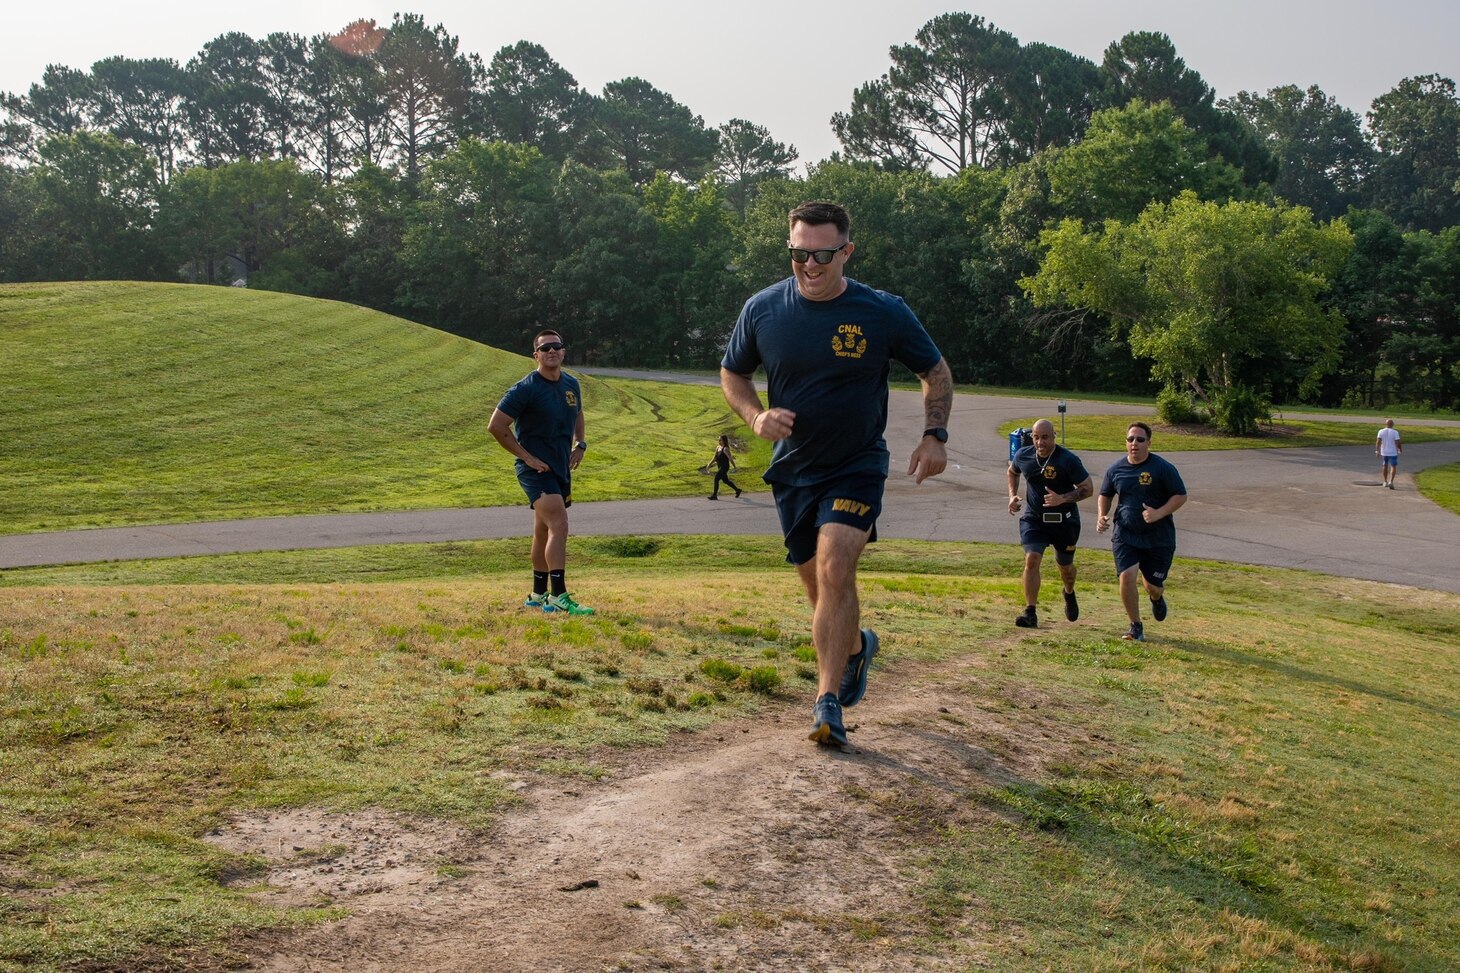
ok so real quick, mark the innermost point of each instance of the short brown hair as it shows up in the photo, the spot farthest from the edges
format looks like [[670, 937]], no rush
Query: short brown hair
[[543, 334], [820, 213], [1140, 425]]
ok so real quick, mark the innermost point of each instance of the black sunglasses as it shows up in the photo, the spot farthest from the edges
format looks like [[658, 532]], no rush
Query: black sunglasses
[[820, 256], [1135, 439], [550, 346]]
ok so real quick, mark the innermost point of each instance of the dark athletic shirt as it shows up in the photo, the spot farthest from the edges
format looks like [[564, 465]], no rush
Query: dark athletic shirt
[[1063, 472], [545, 417], [828, 362], [1151, 483]]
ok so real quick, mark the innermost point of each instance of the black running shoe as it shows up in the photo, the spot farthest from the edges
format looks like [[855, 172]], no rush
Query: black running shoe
[[1137, 633], [1158, 609], [854, 677], [1029, 619], [1072, 606], [826, 722]]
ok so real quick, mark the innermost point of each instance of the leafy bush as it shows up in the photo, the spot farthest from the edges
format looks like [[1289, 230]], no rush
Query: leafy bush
[[764, 680], [1239, 409], [1175, 408]]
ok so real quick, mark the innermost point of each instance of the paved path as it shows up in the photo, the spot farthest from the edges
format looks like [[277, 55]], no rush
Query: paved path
[[1320, 509]]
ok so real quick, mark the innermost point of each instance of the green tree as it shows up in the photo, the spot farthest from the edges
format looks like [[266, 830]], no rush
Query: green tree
[[747, 156], [945, 100], [284, 67], [1208, 292], [1416, 128], [1144, 65], [643, 131], [226, 111], [479, 247], [427, 84], [533, 100], [1051, 97], [699, 294], [144, 102], [62, 104], [1322, 155], [97, 199], [1132, 156], [1373, 290], [21, 230]]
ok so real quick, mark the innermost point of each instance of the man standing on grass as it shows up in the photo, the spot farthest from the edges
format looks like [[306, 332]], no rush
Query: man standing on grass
[[1150, 491], [1057, 482], [547, 407], [1388, 447], [826, 342]]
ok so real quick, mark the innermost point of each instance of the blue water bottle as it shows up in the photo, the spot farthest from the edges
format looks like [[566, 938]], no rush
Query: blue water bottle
[[1016, 439]]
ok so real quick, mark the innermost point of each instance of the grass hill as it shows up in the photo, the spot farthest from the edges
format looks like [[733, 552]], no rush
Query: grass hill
[[130, 403]]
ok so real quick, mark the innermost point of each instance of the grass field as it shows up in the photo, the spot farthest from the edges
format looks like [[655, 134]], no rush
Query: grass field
[[1442, 485], [126, 403], [1107, 432], [1277, 792]]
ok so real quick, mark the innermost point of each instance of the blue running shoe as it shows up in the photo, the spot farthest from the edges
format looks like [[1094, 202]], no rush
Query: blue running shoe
[[854, 679], [1158, 609], [539, 600], [826, 723], [1137, 633]]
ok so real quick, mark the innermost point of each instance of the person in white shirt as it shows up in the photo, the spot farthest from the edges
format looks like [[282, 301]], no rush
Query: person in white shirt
[[1388, 447]]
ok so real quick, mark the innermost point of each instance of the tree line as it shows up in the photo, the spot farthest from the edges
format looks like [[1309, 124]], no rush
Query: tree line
[[1055, 222]]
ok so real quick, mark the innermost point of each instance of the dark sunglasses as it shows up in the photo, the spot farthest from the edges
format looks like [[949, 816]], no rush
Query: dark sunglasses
[[820, 256], [1135, 439], [550, 346]]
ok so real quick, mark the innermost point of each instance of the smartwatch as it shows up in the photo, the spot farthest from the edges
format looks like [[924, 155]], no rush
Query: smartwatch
[[580, 444], [937, 432]]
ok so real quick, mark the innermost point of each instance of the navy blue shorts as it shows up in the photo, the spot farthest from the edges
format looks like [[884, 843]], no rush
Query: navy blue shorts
[[855, 501], [1154, 562], [536, 484], [1064, 536]]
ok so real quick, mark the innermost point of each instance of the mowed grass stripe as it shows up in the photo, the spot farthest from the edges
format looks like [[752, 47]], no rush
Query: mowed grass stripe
[[131, 403]]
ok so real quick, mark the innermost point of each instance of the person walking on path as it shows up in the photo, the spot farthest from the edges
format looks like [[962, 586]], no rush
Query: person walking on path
[[1056, 482], [1388, 447], [723, 463], [826, 342], [1144, 543], [540, 421]]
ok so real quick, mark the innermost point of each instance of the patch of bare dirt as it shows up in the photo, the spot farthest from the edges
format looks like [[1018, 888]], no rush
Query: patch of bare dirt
[[742, 848]]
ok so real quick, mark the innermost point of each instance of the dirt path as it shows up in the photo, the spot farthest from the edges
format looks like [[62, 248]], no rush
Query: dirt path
[[741, 848]]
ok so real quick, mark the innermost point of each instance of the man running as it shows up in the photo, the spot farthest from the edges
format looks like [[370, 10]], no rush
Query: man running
[[1057, 482], [1144, 543], [826, 342]]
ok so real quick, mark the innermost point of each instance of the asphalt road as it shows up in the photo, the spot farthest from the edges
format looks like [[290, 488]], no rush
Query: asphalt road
[[1319, 509]]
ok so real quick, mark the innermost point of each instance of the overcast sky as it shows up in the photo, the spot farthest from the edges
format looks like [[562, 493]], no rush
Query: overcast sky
[[788, 65]]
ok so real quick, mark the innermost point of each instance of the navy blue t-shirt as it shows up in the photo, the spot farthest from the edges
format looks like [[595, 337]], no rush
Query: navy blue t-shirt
[[545, 417], [828, 362], [1151, 483], [1062, 472]]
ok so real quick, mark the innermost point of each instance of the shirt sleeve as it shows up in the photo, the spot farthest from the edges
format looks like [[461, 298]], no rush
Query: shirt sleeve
[[741, 354]]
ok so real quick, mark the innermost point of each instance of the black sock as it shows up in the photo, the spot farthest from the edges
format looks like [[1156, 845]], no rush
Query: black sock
[[560, 585], [539, 582]]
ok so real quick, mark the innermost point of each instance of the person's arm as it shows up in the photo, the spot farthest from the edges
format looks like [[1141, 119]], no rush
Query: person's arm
[[1080, 492], [500, 426], [1013, 490], [1102, 511], [773, 424], [930, 457], [1152, 514], [580, 435]]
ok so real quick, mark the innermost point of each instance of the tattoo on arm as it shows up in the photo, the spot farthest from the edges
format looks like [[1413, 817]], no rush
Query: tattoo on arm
[[937, 393]]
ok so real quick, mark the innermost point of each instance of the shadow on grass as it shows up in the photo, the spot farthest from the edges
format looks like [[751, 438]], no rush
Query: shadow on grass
[[1235, 657]]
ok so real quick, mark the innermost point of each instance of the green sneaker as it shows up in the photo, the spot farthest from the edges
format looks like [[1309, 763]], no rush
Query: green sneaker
[[565, 603], [539, 600]]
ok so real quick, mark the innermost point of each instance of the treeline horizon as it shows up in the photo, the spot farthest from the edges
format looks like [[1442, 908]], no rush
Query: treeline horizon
[[386, 167]]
